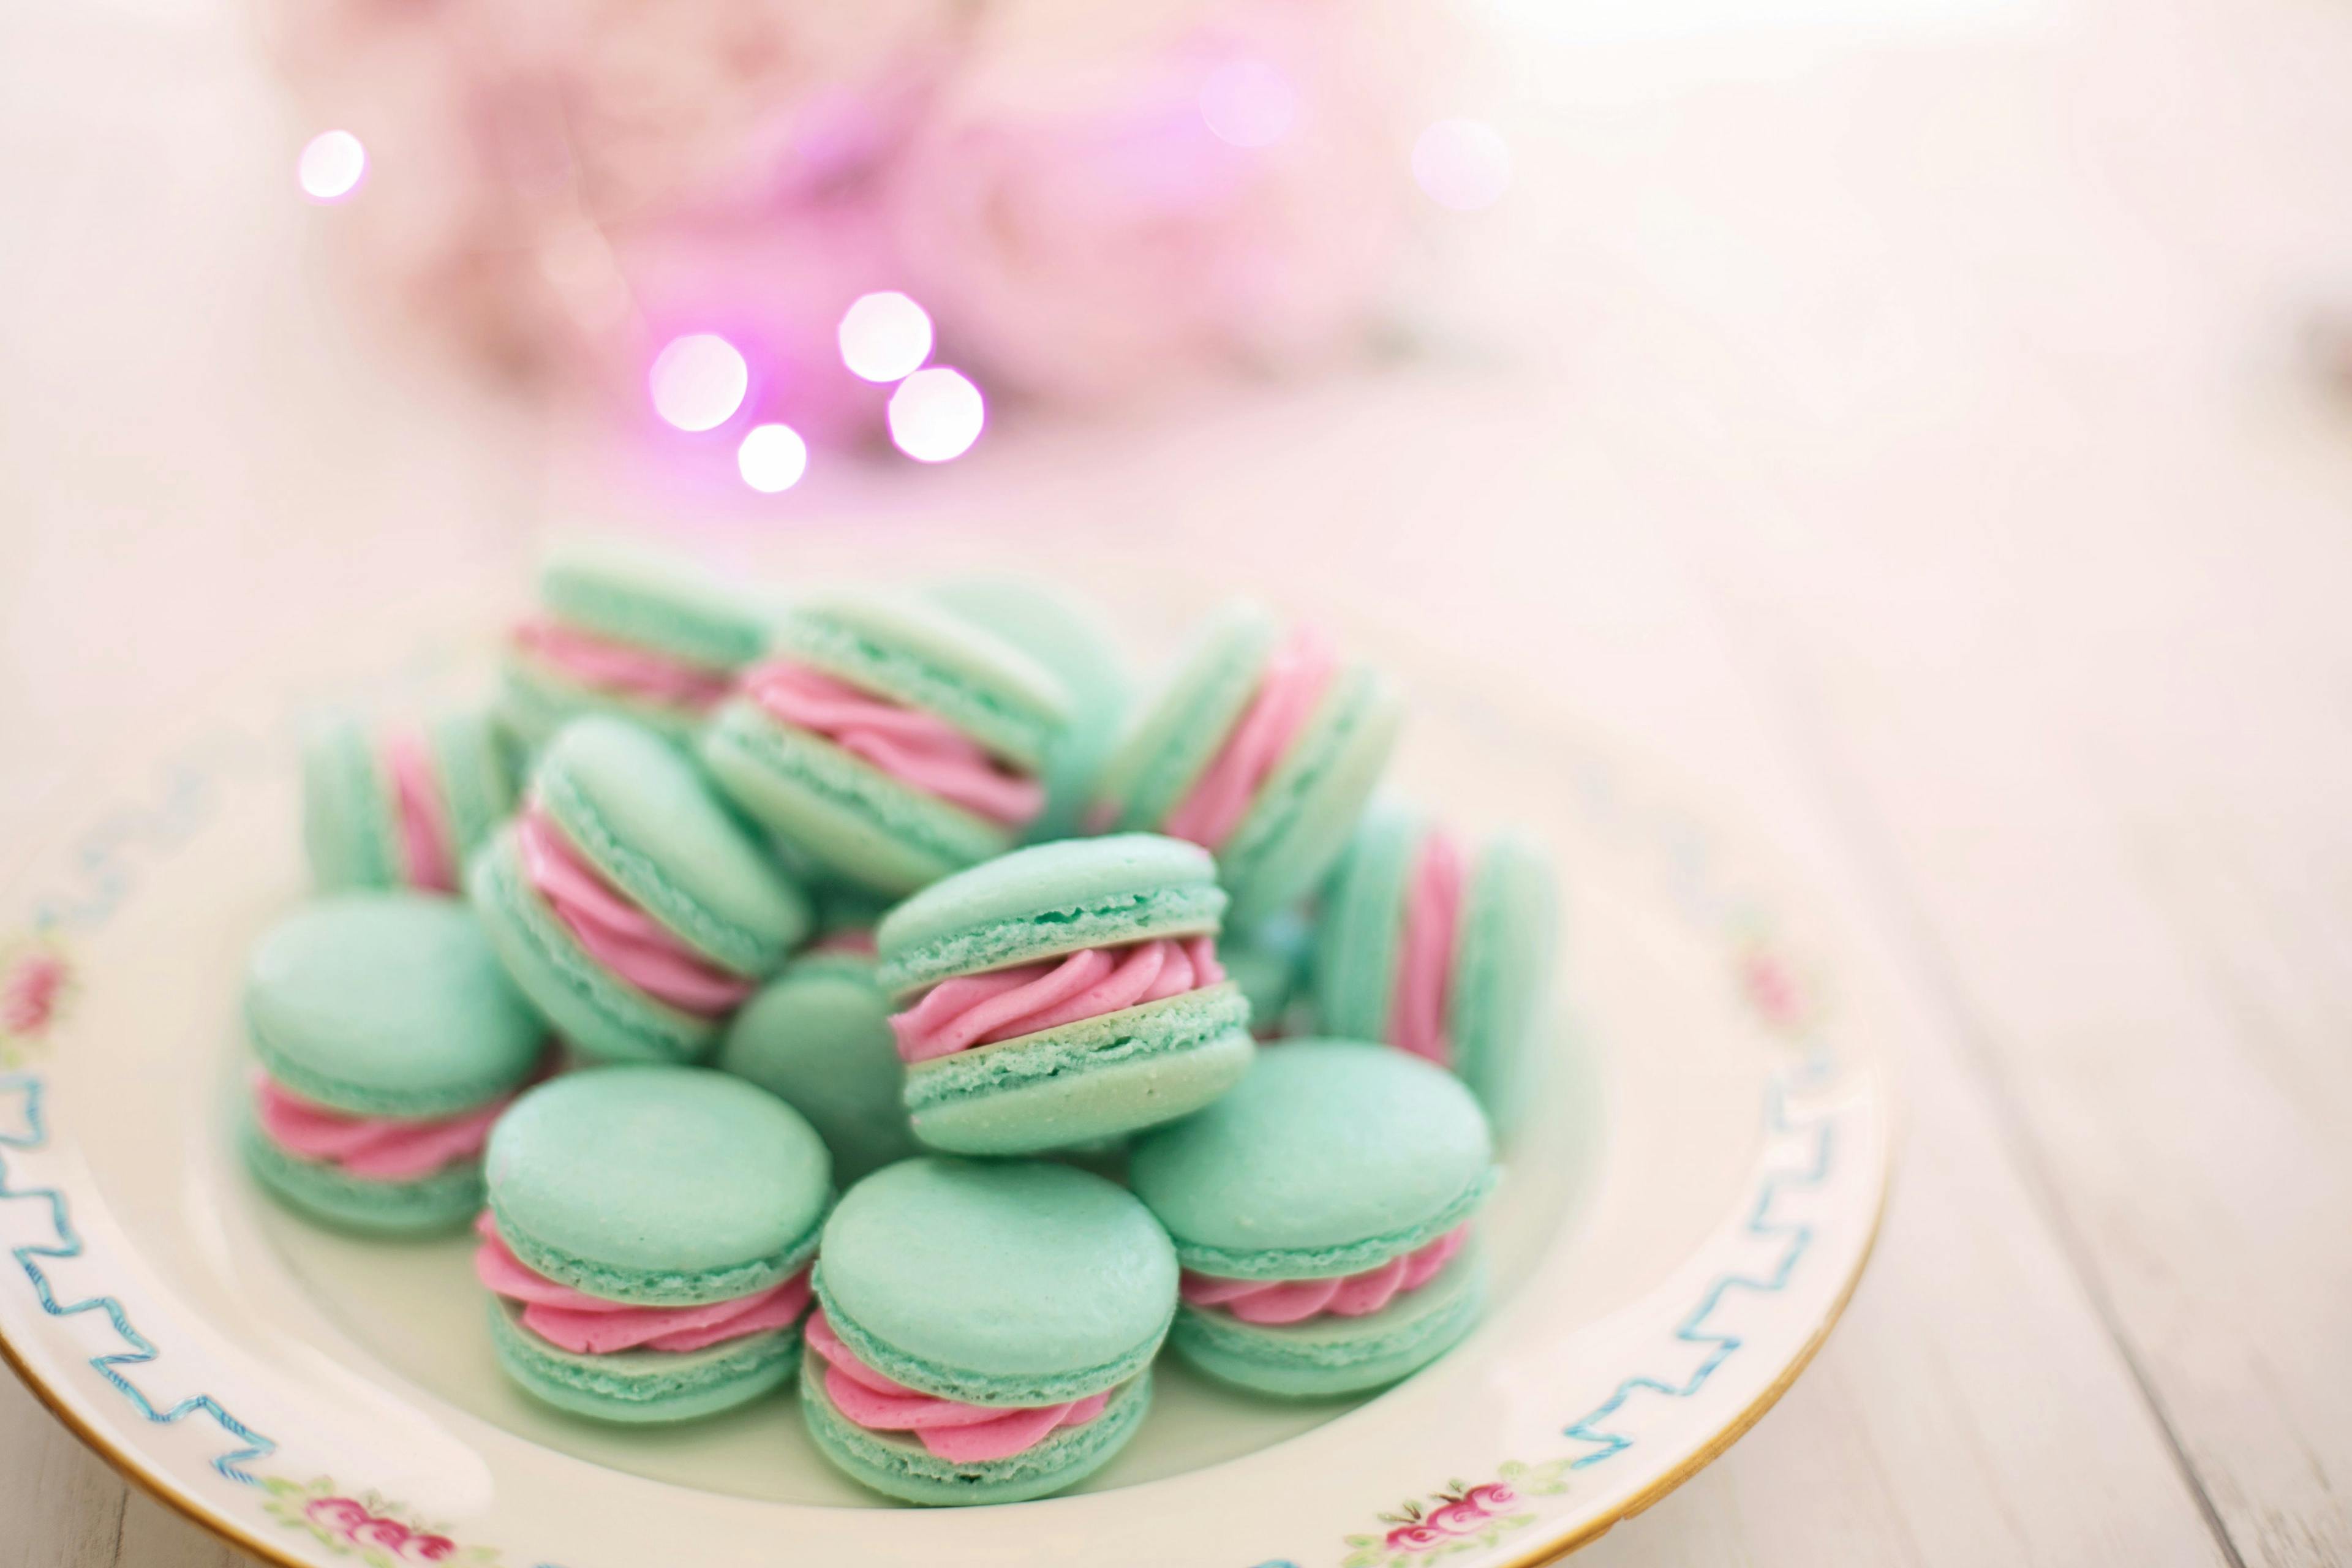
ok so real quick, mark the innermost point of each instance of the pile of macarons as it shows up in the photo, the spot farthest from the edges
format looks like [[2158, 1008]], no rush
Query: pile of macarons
[[869, 992]]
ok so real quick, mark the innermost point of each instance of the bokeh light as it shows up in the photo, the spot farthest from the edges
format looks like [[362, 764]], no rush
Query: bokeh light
[[1462, 165], [771, 458], [935, 414], [332, 165], [1248, 103], [884, 337], [699, 381]]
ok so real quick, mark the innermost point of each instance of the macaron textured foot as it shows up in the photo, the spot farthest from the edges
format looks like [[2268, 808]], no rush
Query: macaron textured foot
[[1263, 747], [1445, 953], [389, 1041], [890, 741], [405, 807], [984, 1331], [1062, 994], [818, 1037], [647, 1240], [628, 904], [1322, 1214], [630, 634], [1067, 637]]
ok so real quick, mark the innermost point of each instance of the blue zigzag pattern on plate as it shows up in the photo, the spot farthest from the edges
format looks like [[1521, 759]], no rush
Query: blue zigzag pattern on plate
[[1721, 1346], [138, 1349]]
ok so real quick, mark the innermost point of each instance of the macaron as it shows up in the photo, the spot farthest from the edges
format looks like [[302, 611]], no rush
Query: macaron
[[388, 1040], [1062, 994], [1069, 638], [1263, 747], [631, 633], [818, 1037], [627, 903], [984, 1331], [647, 1241], [889, 739], [1322, 1214], [403, 806], [1442, 949], [1270, 961]]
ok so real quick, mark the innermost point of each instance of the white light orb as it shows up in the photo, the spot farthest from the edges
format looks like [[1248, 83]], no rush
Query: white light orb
[[771, 458], [935, 414], [332, 165], [699, 381], [884, 337]]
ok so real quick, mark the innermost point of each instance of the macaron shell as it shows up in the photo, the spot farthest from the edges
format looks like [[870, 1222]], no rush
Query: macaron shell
[[1505, 954], [899, 1465], [643, 1387], [926, 657], [347, 812], [818, 1037], [1086, 1081], [1046, 901], [597, 1014], [657, 1185], [445, 1200], [1357, 946], [633, 594], [1307, 808], [1327, 1356], [388, 1003], [638, 810], [1171, 740], [840, 810], [1019, 1283], [1330, 1156], [1067, 637]]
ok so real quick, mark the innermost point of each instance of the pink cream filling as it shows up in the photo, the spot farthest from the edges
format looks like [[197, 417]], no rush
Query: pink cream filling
[[964, 1433], [1432, 917], [616, 933], [913, 747], [623, 670], [589, 1325], [376, 1148], [427, 856], [855, 941], [1349, 1296], [1300, 671], [1005, 1003]]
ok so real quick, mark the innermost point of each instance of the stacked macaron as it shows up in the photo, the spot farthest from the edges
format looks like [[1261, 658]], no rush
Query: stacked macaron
[[404, 808], [628, 633], [931, 898], [1441, 950], [388, 1041]]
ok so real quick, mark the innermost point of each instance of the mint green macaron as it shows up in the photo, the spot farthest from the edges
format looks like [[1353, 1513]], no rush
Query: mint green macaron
[[401, 806], [820, 788], [1065, 634], [1494, 974], [629, 631], [818, 1037], [669, 1188], [1271, 961], [632, 908], [1305, 801], [1073, 1081], [386, 1009], [1335, 1162], [1014, 1285]]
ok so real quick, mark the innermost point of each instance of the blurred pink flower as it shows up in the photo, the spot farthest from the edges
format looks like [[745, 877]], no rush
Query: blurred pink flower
[[1083, 233]]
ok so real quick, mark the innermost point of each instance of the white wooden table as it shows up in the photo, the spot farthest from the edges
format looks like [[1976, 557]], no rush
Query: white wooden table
[[1907, 420]]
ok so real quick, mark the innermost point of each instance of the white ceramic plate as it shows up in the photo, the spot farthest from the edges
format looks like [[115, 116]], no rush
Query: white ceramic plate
[[1688, 1204]]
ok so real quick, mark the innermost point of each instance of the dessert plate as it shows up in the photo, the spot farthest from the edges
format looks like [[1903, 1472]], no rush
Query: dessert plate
[[1689, 1200]]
